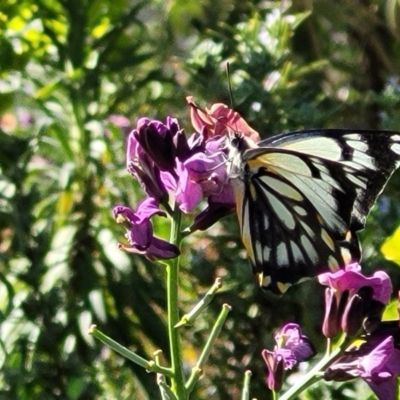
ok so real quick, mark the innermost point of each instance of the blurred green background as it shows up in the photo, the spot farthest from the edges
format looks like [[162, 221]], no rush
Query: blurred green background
[[74, 77]]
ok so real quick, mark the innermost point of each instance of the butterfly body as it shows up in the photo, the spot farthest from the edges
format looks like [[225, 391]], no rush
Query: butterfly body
[[302, 196]]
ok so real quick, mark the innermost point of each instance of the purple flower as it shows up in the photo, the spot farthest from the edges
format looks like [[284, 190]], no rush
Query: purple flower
[[353, 301], [377, 363], [156, 140], [202, 175], [275, 369], [215, 210], [187, 191], [331, 324], [141, 165], [351, 279], [139, 231], [290, 338], [291, 347]]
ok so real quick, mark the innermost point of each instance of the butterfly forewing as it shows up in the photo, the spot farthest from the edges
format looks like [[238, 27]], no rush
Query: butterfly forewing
[[302, 196]]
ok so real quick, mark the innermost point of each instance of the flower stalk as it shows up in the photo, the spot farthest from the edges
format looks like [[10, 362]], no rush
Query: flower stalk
[[186, 172], [188, 318], [196, 371], [177, 379], [246, 386], [130, 355]]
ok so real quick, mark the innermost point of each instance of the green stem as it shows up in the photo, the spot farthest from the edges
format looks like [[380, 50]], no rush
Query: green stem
[[246, 386], [197, 369], [130, 355], [189, 318], [166, 392], [177, 380], [328, 347]]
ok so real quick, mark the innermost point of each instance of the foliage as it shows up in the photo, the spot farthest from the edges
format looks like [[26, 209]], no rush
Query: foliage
[[67, 70]]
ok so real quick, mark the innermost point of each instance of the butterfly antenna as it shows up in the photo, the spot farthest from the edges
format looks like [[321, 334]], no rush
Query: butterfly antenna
[[228, 75], [221, 164]]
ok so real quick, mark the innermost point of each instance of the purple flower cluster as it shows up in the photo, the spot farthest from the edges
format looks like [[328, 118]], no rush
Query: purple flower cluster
[[354, 306], [168, 164]]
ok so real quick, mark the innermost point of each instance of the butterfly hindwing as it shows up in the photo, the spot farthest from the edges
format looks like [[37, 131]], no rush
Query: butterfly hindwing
[[302, 196]]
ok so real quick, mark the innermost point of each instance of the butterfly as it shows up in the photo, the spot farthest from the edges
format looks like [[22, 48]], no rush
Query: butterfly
[[301, 197]]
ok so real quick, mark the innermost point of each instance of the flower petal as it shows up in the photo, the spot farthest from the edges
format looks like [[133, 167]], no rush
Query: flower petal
[[146, 209], [161, 249], [210, 215], [351, 279]]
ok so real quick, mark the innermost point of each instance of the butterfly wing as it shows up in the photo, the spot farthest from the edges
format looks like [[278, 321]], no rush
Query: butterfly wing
[[302, 196]]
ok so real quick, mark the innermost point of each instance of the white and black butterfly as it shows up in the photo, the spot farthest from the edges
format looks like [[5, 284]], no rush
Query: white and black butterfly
[[302, 196]]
